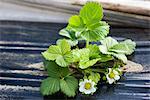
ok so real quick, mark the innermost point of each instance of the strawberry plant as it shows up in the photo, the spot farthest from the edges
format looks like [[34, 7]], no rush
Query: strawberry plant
[[71, 68]]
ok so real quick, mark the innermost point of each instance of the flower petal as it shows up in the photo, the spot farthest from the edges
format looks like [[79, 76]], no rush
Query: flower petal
[[86, 80], [93, 83], [117, 77], [81, 89], [93, 89], [110, 81], [87, 92], [81, 83], [109, 70], [115, 72], [107, 76]]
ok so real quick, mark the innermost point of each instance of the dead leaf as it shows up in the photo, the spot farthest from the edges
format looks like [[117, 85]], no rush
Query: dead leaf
[[132, 67]]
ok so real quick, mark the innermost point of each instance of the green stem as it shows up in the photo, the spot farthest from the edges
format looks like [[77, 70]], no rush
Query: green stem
[[97, 65], [98, 70], [87, 43]]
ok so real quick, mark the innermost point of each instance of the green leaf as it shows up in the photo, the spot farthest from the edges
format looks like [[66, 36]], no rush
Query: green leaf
[[103, 49], [65, 32], [121, 57], [80, 54], [125, 47], [97, 33], [71, 36], [54, 70], [94, 77], [111, 47], [105, 58], [94, 51], [52, 53], [62, 61], [50, 86], [93, 24], [91, 11], [69, 86], [75, 21], [109, 42], [83, 57], [59, 53], [83, 64], [64, 47], [71, 42], [68, 33]]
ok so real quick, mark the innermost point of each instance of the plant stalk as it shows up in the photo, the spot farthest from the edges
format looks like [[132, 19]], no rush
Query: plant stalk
[[87, 44], [98, 70]]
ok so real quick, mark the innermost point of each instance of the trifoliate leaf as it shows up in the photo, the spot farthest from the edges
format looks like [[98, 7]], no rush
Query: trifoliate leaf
[[59, 53], [91, 11], [94, 77], [125, 47], [96, 34], [88, 25], [111, 47], [50, 86], [69, 86], [54, 70]]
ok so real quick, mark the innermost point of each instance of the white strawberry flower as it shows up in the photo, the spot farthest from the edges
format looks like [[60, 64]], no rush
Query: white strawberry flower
[[87, 86], [112, 76]]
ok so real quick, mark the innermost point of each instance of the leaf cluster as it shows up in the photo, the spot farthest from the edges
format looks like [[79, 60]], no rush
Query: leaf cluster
[[59, 79]]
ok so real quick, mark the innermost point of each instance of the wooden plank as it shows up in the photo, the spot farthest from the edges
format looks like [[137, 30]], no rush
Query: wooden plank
[[130, 6], [127, 19], [58, 11]]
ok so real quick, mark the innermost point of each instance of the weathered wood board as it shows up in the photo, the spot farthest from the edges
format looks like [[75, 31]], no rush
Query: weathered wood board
[[22, 42], [60, 11]]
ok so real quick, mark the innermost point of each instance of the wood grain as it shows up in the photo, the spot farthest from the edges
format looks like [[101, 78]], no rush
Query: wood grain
[[60, 11]]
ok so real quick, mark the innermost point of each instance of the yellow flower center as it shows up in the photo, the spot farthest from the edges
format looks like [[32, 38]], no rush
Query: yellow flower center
[[87, 86], [111, 75]]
